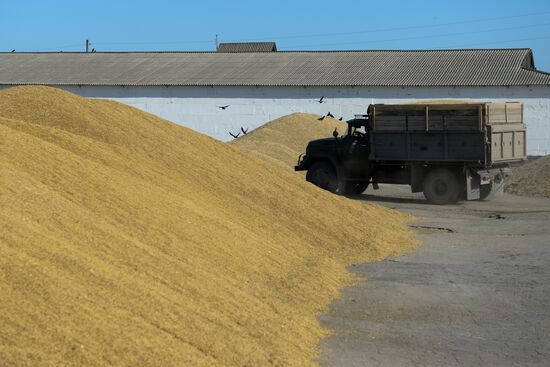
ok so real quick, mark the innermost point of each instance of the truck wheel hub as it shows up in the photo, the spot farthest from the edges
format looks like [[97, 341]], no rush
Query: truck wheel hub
[[440, 187]]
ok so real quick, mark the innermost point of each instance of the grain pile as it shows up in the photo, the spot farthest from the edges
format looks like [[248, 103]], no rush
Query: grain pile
[[531, 179], [282, 140], [128, 240]]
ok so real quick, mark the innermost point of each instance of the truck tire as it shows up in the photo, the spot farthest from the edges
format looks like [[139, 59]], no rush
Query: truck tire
[[355, 187], [323, 175], [441, 187]]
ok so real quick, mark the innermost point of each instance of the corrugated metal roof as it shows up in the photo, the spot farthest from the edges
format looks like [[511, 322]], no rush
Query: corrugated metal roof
[[248, 47], [481, 67]]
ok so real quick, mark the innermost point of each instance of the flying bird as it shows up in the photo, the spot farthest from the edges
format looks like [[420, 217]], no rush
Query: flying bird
[[321, 100], [244, 131], [93, 49], [341, 118], [234, 136], [330, 115], [321, 118], [223, 107], [13, 50]]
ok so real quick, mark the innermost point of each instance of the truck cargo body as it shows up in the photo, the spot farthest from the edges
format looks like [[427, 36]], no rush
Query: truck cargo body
[[486, 134], [420, 144]]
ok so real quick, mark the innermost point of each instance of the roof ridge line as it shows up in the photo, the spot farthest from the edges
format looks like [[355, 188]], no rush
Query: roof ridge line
[[281, 51], [536, 71]]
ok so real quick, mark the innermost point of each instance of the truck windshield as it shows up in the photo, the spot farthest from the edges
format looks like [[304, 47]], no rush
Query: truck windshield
[[359, 131]]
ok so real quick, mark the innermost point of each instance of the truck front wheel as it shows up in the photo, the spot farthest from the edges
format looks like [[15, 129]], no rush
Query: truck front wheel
[[355, 188], [441, 186], [323, 174]]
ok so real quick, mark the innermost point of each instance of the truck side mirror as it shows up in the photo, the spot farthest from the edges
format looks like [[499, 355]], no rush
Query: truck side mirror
[[335, 132]]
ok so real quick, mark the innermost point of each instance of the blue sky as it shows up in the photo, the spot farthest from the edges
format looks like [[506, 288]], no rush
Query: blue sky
[[310, 25]]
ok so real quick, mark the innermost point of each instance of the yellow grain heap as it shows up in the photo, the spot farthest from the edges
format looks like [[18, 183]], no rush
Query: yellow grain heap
[[531, 179], [284, 139], [128, 240]]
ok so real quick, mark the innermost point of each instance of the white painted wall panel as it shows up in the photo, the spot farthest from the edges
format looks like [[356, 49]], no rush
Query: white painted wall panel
[[250, 107]]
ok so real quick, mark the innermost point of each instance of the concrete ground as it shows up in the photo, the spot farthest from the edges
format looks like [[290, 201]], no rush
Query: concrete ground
[[476, 293]]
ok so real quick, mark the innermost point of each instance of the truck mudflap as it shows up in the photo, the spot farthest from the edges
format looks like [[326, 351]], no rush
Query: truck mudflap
[[480, 184]]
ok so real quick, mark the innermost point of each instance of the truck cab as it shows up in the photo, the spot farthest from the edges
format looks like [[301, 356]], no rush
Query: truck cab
[[340, 164]]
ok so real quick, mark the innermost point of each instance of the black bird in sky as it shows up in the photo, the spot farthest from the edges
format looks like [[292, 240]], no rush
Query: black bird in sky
[[321, 118], [330, 115], [93, 49], [13, 50], [321, 100], [223, 107], [341, 118], [244, 131], [234, 136]]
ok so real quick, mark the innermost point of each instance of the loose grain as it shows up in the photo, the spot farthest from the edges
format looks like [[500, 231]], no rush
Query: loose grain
[[531, 179], [281, 141]]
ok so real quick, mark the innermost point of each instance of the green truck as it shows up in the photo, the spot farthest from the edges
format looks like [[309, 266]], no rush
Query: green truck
[[448, 151]]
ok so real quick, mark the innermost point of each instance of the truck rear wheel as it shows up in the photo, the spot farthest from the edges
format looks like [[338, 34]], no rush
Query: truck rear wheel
[[323, 174], [441, 186]]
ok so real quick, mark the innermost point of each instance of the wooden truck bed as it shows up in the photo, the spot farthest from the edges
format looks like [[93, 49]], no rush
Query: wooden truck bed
[[484, 133]]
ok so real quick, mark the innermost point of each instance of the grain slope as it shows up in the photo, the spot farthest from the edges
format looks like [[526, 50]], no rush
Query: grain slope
[[281, 141], [531, 179]]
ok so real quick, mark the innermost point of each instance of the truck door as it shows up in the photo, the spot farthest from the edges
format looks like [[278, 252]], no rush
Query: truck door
[[356, 161]]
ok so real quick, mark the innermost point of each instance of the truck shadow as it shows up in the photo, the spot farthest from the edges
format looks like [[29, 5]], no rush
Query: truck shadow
[[389, 199]]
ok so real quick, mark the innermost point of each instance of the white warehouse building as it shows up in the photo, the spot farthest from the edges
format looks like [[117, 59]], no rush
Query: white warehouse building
[[259, 84]]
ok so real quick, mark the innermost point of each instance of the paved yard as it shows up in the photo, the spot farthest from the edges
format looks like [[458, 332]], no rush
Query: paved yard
[[476, 293]]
